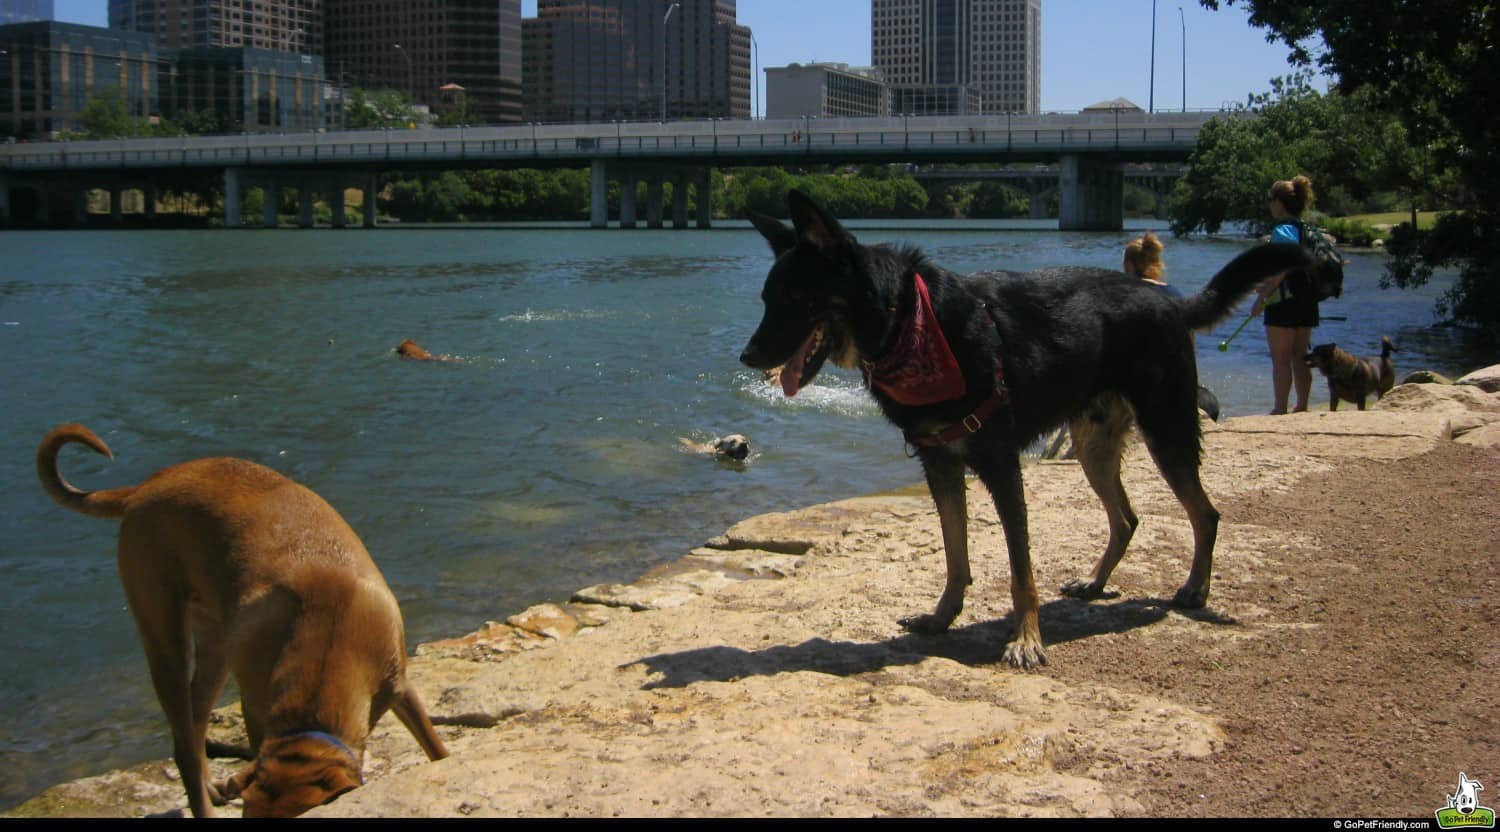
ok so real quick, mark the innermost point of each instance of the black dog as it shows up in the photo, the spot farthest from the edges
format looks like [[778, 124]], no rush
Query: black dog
[[973, 369]]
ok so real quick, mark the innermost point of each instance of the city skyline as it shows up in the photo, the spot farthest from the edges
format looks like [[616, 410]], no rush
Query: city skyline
[[1092, 50]]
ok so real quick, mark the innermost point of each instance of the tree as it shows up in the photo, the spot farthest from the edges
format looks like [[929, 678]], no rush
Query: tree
[[1236, 159], [199, 122], [104, 117], [1433, 63], [1358, 155], [366, 110], [455, 115]]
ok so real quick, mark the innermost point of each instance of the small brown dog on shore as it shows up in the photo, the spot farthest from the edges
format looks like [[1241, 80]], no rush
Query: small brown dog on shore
[[412, 350], [229, 567], [1354, 379]]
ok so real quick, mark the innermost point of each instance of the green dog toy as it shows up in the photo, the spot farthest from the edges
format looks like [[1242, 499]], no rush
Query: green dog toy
[[1224, 344]]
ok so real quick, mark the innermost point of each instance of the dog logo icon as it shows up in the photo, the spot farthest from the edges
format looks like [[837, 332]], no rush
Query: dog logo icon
[[1463, 810]]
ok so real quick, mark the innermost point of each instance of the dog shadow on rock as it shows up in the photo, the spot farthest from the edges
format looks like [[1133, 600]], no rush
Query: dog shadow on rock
[[975, 645]]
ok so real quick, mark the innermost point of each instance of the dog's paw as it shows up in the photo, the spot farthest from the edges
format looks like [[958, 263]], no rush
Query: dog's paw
[[1190, 598], [216, 793], [1025, 654], [926, 625], [1085, 590]]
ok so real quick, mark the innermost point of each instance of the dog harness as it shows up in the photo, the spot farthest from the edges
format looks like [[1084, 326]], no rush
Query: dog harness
[[971, 423], [920, 369]]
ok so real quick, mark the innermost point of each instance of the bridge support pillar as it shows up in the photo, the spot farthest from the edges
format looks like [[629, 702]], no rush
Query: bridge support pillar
[[705, 197], [598, 195], [148, 196], [304, 206], [5, 185], [1091, 195], [81, 207], [680, 200], [116, 204], [1037, 205], [232, 198], [653, 201], [336, 204], [627, 199], [372, 188], [271, 205]]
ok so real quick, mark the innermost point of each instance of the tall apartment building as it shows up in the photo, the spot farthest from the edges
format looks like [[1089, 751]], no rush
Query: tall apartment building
[[474, 44], [636, 60], [23, 11], [944, 57], [279, 25]]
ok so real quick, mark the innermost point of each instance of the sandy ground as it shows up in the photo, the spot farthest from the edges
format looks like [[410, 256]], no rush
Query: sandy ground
[[1344, 667]]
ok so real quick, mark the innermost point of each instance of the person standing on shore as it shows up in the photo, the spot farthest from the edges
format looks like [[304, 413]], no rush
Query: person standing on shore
[[1291, 310]]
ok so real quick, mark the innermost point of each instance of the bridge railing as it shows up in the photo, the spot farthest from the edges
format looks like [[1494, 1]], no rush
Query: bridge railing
[[823, 138]]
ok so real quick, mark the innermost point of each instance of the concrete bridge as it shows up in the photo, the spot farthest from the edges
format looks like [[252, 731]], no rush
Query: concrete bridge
[[41, 181], [1041, 181]]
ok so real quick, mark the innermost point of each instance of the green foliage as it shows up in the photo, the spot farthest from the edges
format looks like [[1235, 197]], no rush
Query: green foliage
[[105, 117], [1359, 158], [455, 116], [992, 200], [199, 122], [373, 110], [526, 194], [1350, 232], [1297, 130], [491, 195], [1431, 64], [1468, 240], [853, 196]]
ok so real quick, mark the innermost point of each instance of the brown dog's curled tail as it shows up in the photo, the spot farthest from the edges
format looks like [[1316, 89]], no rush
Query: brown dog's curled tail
[[109, 503], [1386, 347]]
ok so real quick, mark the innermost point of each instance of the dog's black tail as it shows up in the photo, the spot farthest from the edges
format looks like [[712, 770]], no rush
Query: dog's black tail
[[1386, 347], [1210, 306]]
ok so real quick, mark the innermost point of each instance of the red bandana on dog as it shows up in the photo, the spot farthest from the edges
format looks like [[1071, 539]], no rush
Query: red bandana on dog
[[919, 368]]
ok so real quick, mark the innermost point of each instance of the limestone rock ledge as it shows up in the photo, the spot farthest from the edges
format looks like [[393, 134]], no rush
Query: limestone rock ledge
[[765, 674]]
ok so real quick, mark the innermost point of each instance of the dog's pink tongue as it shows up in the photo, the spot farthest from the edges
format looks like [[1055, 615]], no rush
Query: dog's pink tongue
[[791, 372]]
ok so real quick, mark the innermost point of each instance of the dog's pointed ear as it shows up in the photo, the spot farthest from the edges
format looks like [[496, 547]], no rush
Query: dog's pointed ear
[[815, 226], [781, 237]]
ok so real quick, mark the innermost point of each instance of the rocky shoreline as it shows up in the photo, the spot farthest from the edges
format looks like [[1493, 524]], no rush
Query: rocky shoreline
[[764, 673]]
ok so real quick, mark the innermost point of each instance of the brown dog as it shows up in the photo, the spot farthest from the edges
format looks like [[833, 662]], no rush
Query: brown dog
[[412, 350], [229, 567], [1354, 379]]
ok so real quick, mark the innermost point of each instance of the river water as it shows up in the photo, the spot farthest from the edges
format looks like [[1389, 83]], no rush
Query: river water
[[546, 461]]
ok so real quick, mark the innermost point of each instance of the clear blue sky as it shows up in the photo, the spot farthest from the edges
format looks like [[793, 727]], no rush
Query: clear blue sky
[[1092, 50]]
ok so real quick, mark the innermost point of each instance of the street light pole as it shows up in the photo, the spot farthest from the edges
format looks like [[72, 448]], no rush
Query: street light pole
[[664, 19], [411, 94], [1183, 18], [754, 77], [1151, 96]]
